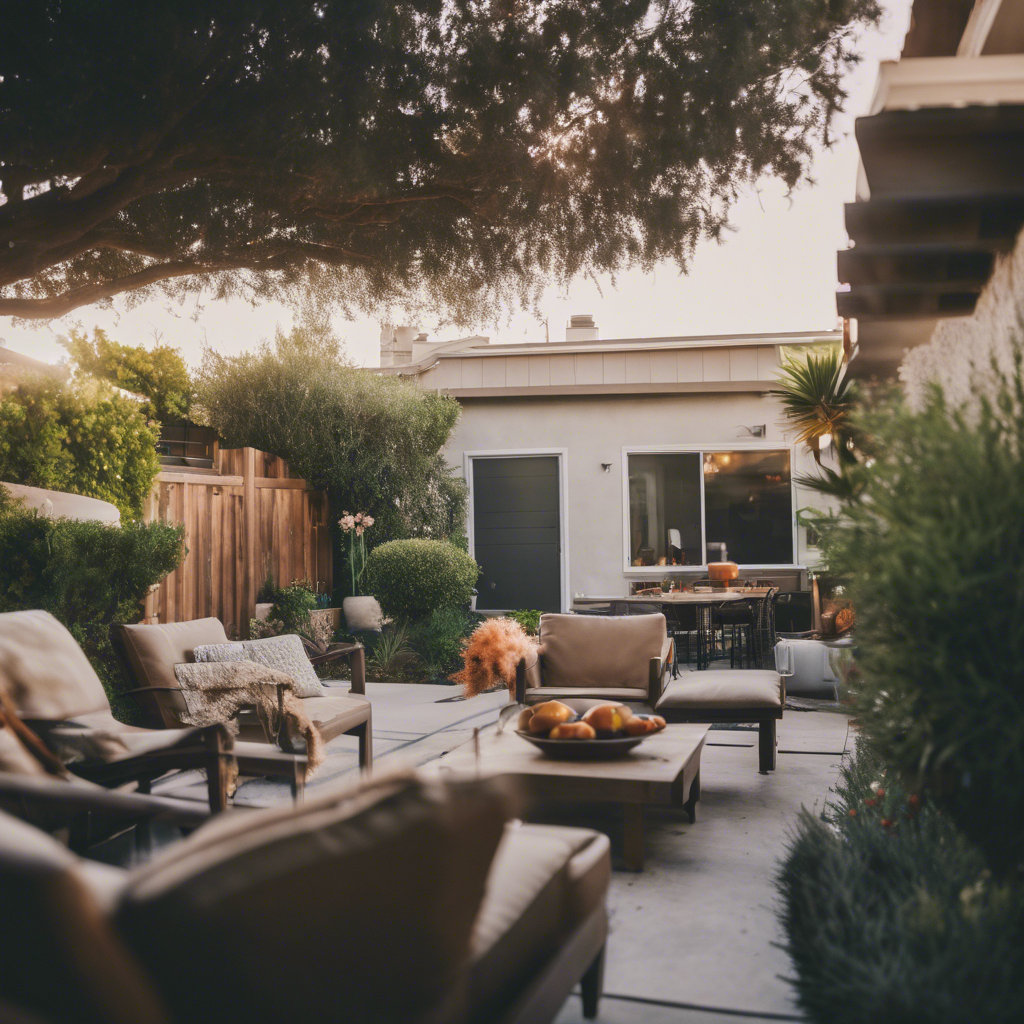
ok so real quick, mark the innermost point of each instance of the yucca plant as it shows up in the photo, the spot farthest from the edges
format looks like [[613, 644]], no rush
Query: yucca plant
[[817, 398]]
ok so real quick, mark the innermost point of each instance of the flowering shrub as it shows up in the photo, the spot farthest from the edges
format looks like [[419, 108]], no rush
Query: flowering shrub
[[410, 578]]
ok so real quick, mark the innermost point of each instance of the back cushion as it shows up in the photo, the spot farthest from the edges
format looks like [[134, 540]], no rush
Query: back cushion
[[595, 651], [357, 906], [43, 669], [153, 651], [60, 957], [282, 653]]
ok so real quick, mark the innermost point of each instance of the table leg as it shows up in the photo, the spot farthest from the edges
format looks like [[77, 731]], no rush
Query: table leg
[[633, 836], [687, 801]]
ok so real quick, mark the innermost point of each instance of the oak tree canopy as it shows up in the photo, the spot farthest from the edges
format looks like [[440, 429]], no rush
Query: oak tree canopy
[[465, 152]]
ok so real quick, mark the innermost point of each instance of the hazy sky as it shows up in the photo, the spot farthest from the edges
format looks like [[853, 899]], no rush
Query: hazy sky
[[774, 272]]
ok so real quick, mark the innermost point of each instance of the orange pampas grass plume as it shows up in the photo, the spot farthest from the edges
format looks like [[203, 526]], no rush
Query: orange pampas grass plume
[[491, 654]]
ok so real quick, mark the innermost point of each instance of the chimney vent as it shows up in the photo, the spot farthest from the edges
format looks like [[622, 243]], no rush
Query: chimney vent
[[582, 328], [396, 344]]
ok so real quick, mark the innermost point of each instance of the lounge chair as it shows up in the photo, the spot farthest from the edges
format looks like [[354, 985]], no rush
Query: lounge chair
[[626, 658], [151, 652], [397, 901], [57, 692]]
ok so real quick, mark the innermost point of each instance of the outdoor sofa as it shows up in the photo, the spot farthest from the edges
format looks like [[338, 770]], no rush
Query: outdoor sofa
[[398, 900], [150, 653], [628, 657]]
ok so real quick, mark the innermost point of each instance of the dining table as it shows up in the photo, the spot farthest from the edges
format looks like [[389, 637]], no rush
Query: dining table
[[704, 600]]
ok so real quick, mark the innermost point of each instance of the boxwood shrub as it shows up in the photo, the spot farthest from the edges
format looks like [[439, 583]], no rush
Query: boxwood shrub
[[410, 578]]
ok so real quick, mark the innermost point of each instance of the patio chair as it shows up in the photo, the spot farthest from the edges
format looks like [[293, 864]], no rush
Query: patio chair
[[436, 911], [150, 653], [57, 692], [614, 657]]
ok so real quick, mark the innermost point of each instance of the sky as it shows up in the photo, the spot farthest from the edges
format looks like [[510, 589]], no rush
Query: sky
[[774, 271]]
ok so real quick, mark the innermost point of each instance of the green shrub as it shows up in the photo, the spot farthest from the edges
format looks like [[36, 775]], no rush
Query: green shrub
[[932, 554], [85, 574], [437, 640], [528, 618], [373, 443], [80, 436], [410, 578], [292, 605], [891, 916]]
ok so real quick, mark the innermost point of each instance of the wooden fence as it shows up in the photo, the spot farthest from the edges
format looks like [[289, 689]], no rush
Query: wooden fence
[[245, 519]]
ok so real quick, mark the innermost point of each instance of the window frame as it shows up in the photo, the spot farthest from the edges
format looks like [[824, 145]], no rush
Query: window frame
[[701, 450]]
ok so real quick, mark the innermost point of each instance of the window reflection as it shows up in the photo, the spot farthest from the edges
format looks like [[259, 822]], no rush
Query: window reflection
[[664, 509], [747, 512], [748, 507]]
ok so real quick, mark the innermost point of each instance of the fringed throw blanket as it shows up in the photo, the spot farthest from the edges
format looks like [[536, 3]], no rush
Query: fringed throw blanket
[[217, 691]]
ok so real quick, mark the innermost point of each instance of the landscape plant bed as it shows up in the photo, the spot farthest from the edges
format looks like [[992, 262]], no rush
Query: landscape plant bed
[[891, 915]]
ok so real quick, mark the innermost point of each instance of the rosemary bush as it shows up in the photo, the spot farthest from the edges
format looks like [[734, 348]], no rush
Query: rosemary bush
[[891, 915], [932, 551]]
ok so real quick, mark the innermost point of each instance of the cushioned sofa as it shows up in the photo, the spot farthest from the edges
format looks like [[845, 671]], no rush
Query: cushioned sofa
[[152, 651], [399, 900]]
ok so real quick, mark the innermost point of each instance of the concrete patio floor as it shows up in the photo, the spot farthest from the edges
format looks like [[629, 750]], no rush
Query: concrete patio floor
[[698, 927]]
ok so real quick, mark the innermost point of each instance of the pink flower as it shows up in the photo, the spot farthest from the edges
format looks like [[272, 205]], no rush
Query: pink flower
[[359, 530], [359, 517], [367, 521], [347, 522]]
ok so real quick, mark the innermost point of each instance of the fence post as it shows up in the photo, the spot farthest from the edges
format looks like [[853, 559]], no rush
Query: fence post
[[250, 516]]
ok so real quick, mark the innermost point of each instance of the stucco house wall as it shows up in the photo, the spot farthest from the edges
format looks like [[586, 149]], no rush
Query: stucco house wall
[[589, 431]]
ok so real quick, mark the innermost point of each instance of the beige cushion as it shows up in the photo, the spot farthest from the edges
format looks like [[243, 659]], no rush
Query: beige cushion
[[591, 651], [153, 651], [734, 688], [357, 906], [544, 881], [63, 961], [44, 670], [536, 694], [281, 653], [335, 715]]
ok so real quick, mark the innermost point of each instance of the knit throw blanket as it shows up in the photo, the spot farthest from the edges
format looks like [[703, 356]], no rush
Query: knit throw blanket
[[217, 691]]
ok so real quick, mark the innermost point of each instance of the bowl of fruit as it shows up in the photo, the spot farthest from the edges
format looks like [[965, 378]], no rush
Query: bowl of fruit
[[585, 730]]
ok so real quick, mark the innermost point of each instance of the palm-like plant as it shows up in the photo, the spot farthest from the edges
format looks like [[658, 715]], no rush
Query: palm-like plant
[[817, 398]]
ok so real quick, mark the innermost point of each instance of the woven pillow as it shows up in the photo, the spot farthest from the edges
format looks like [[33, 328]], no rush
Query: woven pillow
[[283, 653]]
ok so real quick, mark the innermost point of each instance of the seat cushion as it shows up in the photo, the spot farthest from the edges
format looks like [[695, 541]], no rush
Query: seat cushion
[[543, 882], [153, 651], [337, 714], [536, 694], [62, 960], [590, 651], [43, 669], [734, 688], [356, 906]]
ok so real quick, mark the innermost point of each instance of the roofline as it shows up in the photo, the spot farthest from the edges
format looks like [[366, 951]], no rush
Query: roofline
[[612, 345]]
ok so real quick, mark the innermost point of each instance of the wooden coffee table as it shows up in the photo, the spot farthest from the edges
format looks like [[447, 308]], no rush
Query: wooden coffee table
[[664, 769]]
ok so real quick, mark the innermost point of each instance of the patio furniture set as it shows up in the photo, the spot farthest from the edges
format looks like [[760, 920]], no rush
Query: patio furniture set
[[484, 918]]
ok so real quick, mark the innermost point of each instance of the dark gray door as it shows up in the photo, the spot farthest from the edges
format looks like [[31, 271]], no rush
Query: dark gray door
[[516, 533]]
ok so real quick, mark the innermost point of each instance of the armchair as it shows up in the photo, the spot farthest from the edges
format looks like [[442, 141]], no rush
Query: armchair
[[611, 657]]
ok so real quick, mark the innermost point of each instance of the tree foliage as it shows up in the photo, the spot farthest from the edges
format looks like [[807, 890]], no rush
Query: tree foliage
[[78, 436], [931, 546], [159, 373], [464, 150], [371, 442]]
